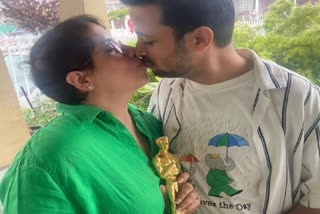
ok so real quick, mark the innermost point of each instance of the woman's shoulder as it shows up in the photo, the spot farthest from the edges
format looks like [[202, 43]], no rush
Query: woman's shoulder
[[51, 144]]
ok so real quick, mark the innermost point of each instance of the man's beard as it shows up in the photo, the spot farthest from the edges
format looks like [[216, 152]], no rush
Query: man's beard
[[176, 73]]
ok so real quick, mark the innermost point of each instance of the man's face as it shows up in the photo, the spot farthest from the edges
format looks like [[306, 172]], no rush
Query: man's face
[[157, 44]]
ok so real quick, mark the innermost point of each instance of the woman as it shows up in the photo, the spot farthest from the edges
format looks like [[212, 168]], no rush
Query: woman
[[96, 156]]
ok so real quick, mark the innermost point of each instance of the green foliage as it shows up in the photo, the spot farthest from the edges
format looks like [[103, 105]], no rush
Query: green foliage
[[300, 19], [292, 38], [278, 11], [43, 112], [118, 14], [243, 35], [142, 96]]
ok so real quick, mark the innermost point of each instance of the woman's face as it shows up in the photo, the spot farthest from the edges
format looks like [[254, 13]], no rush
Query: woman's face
[[116, 70]]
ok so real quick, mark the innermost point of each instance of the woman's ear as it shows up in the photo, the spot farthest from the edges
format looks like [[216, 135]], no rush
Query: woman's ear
[[200, 39], [80, 80]]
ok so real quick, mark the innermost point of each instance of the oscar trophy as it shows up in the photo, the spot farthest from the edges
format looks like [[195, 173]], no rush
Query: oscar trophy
[[168, 167]]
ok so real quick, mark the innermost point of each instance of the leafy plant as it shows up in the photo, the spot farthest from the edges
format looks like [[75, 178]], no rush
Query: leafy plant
[[292, 37], [118, 13], [243, 36], [278, 11], [34, 16], [142, 96], [43, 112]]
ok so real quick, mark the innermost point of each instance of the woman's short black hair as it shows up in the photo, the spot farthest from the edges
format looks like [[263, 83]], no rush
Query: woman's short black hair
[[65, 48]]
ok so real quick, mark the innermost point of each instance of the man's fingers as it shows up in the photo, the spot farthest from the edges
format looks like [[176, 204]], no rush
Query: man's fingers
[[163, 189], [183, 177], [192, 207], [190, 203], [184, 191], [187, 199]]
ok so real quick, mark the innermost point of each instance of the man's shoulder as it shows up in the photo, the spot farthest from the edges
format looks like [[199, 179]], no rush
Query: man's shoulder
[[168, 83], [291, 79], [270, 75], [167, 87]]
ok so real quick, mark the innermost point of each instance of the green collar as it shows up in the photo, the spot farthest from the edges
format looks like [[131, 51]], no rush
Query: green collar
[[81, 111], [90, 112]]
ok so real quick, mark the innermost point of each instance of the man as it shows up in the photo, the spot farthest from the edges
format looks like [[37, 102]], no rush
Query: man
[[246, 129]]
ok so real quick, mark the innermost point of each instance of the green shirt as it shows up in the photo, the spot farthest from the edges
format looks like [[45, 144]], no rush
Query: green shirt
[[85, 161]]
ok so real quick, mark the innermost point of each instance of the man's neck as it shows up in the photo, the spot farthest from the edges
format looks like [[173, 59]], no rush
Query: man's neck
[[221, 65]]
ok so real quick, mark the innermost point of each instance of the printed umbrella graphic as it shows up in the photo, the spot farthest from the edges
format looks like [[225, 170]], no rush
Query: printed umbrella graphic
[[189, 158], [227, 140]]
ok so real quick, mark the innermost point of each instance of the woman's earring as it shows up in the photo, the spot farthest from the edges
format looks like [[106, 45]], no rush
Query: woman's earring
[[90, 87]]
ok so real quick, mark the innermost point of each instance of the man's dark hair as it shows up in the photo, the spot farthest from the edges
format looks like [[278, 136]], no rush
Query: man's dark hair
[[186, 15], [65, 48]]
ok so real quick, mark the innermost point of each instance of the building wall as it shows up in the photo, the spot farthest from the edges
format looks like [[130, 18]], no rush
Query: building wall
[[264, 5], [301, 2], [13, 128], [114, 4]]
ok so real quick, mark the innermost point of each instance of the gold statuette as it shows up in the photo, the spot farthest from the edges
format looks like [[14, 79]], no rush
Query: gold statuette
[[168, 167]]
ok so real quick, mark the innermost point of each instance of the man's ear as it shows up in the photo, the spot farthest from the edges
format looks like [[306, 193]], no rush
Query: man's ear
[[80, 80], [200, 39]]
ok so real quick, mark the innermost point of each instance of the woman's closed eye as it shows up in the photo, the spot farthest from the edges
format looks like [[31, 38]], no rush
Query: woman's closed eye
[[110, 50], [113, 49], [149, 42]]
